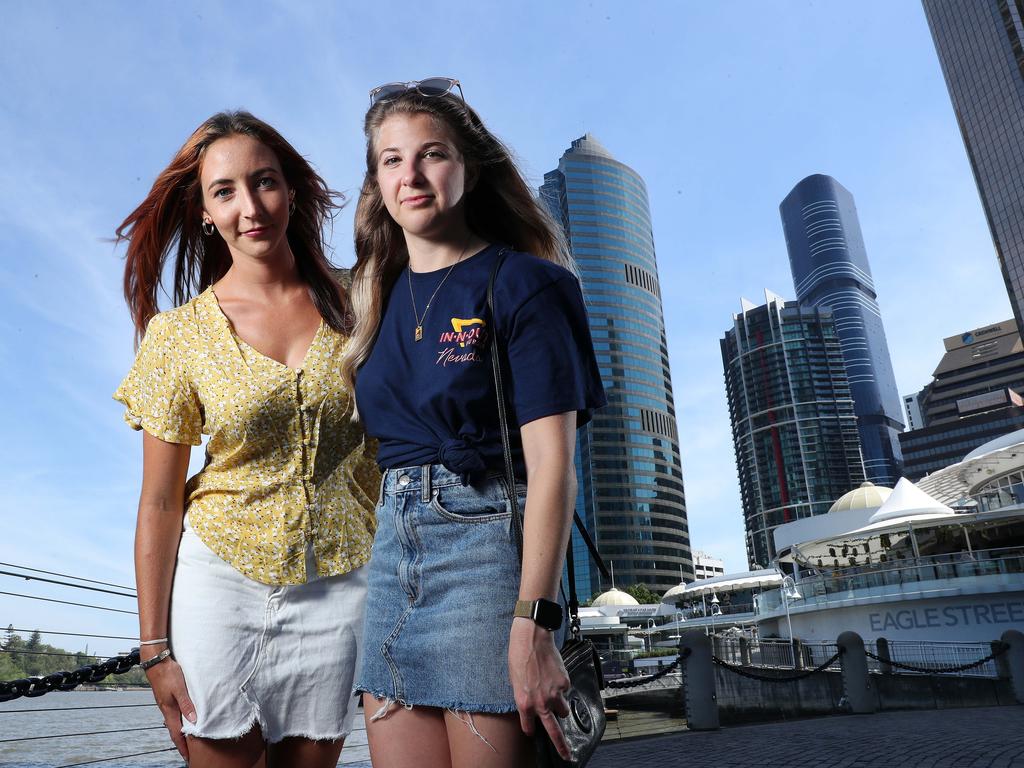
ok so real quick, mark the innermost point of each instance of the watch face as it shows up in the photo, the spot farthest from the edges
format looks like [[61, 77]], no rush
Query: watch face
[[549, 614]]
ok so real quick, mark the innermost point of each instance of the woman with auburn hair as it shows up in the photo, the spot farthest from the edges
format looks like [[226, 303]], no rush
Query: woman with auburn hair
[[250, 575], [460, 652]]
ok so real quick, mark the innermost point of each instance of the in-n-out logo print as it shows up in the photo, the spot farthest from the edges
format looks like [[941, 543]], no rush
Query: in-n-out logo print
[[461, 341]]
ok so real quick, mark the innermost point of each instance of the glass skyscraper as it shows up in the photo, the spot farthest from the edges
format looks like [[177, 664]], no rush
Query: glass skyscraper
[[830, 269], [628, 466], [981, 49], [793, 422]]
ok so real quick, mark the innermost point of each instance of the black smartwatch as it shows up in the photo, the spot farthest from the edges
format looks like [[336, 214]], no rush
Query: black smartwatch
[[547, 613]]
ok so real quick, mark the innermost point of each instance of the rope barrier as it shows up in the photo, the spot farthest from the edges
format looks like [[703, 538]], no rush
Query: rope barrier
[[66, 681], [70, 709], [71, 654], [999, 648], [74, 634], [67, 584], [778, 678], [119, 757], [87, 733], [67, 576], [65, 602], [649, 678]]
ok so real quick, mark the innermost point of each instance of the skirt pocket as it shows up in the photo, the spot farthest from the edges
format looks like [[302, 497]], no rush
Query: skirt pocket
[[469, 504]]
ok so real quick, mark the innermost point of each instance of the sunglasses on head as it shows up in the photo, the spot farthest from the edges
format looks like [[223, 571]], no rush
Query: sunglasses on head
[[432, 86]]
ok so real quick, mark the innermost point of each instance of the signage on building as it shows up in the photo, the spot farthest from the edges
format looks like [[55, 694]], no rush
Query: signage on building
[[986, 401], [979, 334], [950, 616]]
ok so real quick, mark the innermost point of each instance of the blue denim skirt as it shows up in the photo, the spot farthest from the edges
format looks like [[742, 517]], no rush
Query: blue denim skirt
[[443, 583]]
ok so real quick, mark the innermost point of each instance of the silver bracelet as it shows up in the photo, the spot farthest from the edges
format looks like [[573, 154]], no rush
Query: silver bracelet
[[153, 642], [148, 663]]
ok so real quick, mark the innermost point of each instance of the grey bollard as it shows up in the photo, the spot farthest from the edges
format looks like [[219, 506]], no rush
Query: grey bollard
[[699, 681], [882, 646], [856, 683], [744, 652], [1015, 661]]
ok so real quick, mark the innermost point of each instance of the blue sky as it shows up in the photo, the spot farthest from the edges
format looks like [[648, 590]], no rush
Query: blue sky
[[721, 107]]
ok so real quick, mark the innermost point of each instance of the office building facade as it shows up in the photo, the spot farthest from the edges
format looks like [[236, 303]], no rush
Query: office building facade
[[629, 470], [980, 44], [974, 397], [707, 566], [793, 421], [830, 269]]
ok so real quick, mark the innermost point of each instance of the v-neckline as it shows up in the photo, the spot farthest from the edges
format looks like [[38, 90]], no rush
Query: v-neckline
[[240, 341]]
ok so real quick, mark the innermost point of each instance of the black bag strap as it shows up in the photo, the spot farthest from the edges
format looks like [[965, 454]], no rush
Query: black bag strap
[[510, 475]]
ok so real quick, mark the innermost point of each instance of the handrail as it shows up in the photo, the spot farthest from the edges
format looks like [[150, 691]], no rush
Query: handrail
[[1004, 560]]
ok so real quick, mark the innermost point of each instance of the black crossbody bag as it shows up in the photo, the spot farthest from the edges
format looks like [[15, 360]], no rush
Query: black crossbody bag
[[584, 726]]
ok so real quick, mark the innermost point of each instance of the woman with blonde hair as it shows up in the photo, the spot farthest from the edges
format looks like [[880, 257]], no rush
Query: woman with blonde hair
[[250, 575], [461, 647]]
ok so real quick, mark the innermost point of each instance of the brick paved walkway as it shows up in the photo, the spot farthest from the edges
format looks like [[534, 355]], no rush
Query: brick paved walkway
[[985, 737]]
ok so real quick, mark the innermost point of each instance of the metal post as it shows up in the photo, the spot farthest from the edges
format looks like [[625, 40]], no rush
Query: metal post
[[883, 653], [856, 683], [1015, 661], [797, 648], [744, 652], [913, 546], [699, 681]]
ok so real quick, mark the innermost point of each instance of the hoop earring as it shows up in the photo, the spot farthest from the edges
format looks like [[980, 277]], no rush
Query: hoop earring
[[208, 228]]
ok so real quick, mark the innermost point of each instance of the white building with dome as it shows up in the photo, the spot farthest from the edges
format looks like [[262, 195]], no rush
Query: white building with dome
[[942, 560]]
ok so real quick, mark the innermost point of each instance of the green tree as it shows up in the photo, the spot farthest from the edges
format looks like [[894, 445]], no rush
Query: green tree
[[643, 594]]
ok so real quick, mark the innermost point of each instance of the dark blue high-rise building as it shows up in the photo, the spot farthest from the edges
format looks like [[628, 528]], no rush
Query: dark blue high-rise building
[[830, 269], [628, 466]]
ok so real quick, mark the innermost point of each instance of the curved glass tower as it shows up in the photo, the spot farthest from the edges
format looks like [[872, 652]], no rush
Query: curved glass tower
[[830, 269], [629, 471]]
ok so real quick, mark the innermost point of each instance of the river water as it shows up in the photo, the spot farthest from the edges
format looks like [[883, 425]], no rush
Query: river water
[[89, 713]]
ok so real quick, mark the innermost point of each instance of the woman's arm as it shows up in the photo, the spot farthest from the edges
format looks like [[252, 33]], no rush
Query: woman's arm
[[157, 533], [538, 676]]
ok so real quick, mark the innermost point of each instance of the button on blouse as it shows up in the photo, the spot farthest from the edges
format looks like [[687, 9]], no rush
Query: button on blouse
[[285, 464]]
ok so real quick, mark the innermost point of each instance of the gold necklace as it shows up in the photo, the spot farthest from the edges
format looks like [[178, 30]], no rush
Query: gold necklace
[[415, 313]]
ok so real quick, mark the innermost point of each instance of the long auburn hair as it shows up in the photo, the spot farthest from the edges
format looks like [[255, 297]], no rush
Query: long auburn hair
[[500, 208], [169, 219]]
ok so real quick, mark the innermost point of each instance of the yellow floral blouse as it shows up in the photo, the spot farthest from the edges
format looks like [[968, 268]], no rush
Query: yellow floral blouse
[[285, 464]]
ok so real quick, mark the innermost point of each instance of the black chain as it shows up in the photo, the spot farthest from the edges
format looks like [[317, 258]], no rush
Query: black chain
[[638, 681], [778, 678], [32, 687], [999, 648]]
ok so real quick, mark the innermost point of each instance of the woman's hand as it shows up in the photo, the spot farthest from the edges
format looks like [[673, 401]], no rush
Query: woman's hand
[[539, 680], [172, 697]]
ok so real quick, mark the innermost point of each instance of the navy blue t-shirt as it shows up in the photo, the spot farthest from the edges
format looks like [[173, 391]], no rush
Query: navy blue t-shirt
[[433, 401]]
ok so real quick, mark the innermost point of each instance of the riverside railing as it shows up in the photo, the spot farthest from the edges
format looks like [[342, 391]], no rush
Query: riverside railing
[[893, 576], [958, 659]]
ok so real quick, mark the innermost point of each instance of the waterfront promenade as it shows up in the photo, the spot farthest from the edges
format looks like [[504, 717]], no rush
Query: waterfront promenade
[[984, 737]]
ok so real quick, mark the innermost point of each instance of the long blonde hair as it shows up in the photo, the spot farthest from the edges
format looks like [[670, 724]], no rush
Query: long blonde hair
[[500, 208]]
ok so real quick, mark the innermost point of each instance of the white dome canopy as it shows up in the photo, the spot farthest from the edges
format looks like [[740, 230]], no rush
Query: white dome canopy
[[614, 597], [909, 501], [866, 496]]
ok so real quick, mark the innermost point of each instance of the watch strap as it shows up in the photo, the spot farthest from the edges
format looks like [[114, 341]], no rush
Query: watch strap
[[148, 663]]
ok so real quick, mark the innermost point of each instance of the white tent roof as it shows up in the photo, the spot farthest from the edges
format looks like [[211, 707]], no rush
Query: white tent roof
[[729, 582], [908, 502]]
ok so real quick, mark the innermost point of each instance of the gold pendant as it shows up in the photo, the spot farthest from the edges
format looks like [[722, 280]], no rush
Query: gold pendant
[[419, 333]]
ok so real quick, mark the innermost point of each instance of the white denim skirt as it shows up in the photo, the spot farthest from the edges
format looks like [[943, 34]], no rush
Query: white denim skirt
[[282, 658]]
